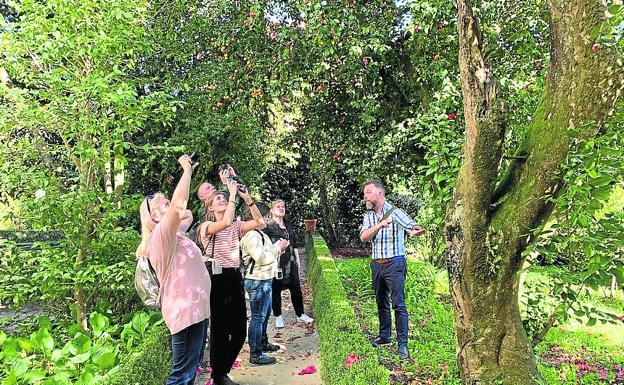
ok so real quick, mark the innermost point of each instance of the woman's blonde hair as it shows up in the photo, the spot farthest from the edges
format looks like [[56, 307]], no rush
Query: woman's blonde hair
[[273, 203], [210, 215], [147, 226]]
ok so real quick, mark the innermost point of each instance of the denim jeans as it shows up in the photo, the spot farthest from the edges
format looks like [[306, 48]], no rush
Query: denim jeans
[[389, 281], [188, 349], [260, 305]]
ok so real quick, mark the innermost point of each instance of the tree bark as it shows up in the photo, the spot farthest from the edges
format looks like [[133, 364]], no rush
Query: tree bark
[[332, 238], [489, 227]]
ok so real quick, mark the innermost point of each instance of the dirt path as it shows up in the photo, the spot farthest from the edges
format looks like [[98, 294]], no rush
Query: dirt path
[[299, 349]]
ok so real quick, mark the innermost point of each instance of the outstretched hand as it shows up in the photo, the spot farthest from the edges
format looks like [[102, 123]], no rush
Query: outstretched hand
[[187, 163], [416, 231]]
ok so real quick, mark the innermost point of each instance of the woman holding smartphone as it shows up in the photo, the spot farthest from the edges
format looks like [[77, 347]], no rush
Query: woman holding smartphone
[[220, 236]]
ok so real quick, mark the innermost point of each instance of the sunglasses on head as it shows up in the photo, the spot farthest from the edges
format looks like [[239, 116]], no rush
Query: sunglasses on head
[[148, 199]]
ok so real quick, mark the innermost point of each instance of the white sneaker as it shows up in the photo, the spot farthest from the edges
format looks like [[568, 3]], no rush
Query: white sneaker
[[279, 322], [305, 318]]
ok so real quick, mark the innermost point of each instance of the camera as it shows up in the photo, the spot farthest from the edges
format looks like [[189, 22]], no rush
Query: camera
[[194, 158], [241, 185]]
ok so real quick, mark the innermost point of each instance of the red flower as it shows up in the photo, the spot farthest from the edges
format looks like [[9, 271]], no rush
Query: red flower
[[350, 360], [595, 47], [320, 88], [252, 15], [441, 25], [452, 116], [336, 155]]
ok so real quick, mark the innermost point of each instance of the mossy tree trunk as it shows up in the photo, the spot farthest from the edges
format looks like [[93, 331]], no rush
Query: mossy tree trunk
[[493, 211]]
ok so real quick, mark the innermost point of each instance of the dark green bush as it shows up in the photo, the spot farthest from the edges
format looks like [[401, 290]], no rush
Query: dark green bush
[[148, 365], [338, 328]]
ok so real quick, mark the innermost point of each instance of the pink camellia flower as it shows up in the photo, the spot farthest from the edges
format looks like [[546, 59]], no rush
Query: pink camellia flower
[[252, 15], [603, 374], [311, 369], [441, 25], [595, 47], [365, 62], [350, 360], [452, 116]]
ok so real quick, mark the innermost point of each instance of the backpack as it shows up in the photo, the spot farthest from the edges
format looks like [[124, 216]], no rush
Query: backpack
[[146, 282]]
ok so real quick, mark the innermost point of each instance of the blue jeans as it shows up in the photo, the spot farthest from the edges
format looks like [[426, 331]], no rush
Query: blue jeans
[[389, 281], [260, 305], [187, 346]]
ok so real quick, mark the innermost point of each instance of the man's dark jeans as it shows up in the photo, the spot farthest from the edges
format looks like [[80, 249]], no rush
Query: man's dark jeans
[[389, 281], [188, 349]]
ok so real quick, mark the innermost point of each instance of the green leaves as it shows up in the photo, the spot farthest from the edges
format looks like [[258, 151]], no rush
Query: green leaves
[[43, 341]]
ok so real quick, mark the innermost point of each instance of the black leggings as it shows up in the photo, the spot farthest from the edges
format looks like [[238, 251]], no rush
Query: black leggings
[[228, 320], [296, 297]]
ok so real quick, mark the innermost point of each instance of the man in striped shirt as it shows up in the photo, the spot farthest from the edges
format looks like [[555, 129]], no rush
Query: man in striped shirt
[[385, 225]]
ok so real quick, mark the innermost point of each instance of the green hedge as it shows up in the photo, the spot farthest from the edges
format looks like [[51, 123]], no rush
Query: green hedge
[[337, 325], [149, 365]]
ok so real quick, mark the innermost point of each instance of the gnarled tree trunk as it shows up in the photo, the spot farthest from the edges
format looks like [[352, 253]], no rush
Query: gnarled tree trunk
[[489, 224]]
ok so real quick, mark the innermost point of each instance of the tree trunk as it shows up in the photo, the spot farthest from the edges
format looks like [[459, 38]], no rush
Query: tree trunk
[[332, 239], [489, 227]]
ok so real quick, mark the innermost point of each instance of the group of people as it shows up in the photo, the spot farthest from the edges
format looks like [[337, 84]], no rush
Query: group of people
[[204, 286]]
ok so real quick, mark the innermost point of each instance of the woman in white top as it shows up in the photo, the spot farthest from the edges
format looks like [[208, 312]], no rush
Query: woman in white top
[[261, 260]]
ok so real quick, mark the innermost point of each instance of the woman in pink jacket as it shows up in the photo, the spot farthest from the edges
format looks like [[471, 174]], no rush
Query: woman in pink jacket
[[178, 263]]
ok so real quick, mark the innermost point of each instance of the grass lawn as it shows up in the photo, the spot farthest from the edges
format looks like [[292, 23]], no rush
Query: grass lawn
[[570, 354]]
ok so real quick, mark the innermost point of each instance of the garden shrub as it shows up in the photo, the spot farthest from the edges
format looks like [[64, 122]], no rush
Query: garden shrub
[[338, 328], [149, 364]]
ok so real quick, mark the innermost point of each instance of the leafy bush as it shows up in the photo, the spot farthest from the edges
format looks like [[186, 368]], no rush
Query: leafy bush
[[83, 359], [337, 325]]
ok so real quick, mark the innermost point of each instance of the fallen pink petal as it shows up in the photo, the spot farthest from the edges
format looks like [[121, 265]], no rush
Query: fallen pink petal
[[350, 360], [308, 370]]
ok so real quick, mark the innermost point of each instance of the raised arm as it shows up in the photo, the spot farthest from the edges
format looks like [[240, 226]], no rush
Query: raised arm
[[177, 210], [228, 215], [257, 221]]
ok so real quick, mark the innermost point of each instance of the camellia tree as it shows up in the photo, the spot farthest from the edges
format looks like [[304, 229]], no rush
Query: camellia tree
[[71, 95], [497, 205]]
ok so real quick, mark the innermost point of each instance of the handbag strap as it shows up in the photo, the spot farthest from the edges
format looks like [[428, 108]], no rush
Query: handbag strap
[[386, 216]]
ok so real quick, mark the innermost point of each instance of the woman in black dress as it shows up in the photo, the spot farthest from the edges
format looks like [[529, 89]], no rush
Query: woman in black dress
[[279, 228]]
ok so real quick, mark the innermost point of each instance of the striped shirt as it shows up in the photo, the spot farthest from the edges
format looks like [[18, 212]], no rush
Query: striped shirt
[[226, 248], [389, 241]]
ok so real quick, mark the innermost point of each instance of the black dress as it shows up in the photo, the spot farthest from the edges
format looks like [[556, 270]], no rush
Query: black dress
[[290, 271]]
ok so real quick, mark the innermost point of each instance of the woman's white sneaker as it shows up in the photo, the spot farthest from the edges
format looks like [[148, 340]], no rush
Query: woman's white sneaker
[[279, 322], [305, 318]]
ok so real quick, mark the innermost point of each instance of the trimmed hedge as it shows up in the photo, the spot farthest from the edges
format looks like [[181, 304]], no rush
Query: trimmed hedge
[[337, 325], [149, 365]]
